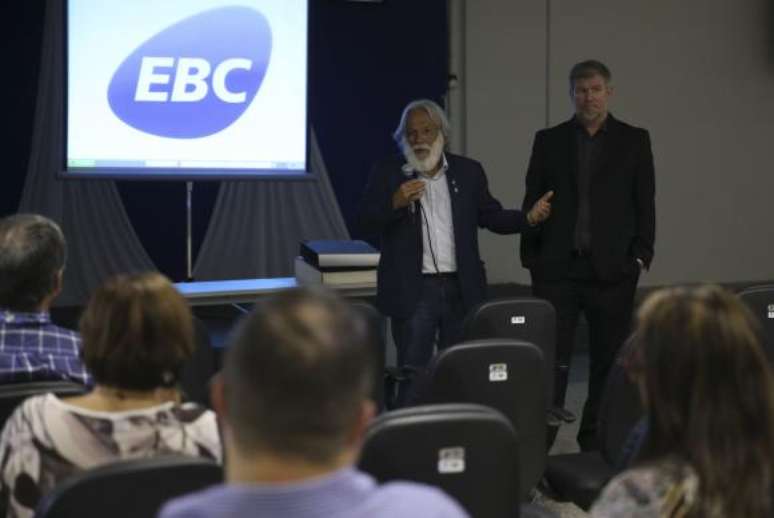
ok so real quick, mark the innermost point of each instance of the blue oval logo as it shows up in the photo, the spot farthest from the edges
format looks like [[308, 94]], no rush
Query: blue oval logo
[[195, 78]]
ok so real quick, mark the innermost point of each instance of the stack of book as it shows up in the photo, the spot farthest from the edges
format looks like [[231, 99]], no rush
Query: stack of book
[[337, 263]]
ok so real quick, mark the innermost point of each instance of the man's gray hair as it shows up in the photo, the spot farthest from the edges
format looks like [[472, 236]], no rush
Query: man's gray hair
[[432, 109], [32, 253]]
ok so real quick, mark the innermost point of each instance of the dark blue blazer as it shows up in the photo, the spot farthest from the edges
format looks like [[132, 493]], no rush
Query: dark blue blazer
[[400, 238], [623, 213]]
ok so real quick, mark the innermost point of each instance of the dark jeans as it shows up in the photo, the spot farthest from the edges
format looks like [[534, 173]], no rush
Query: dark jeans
[[608, 308], [439, 314]]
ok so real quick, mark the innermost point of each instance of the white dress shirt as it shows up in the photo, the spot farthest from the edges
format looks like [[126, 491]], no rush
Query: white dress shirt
[[438, 248]]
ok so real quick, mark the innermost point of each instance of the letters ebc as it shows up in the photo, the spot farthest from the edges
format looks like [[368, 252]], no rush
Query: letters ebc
[[195, 78]]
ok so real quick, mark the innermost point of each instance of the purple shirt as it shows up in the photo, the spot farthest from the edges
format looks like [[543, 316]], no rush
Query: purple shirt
[[34, 349], [346, 493]]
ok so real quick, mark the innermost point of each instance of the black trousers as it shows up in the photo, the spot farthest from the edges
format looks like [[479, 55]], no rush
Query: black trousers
[[437, 320], [608, 308]]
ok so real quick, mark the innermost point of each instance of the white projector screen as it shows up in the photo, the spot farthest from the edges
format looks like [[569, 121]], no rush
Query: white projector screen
[[186, 89]]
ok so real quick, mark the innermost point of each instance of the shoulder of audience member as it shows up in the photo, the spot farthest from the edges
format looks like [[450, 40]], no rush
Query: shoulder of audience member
[[188, 506], [637, 492], [202, 426], [21, 420], [69, 332], [421, 500]]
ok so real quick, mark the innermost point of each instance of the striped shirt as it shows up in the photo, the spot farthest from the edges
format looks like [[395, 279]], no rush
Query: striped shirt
[[346, 493], [32, 348]]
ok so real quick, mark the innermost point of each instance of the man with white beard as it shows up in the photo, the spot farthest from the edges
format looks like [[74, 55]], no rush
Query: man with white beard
[[425, 207]]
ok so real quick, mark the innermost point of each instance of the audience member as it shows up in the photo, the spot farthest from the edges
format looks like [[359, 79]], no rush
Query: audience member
[[709, 396], [32, 348], [137, 333], [293, 403]]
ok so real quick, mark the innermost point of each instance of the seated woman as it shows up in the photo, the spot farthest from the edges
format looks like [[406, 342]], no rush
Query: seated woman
[[137, 333], [708, 392]]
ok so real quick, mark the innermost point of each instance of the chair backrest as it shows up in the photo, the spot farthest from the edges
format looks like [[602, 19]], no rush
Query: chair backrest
[[620, 408], [128, 489], [520, 318], [469, 451], [200, 368], [760, 300], [506, 375], [13, 394]]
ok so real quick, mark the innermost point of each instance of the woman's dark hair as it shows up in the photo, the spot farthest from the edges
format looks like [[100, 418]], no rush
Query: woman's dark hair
[[137, 332], [709, 394]]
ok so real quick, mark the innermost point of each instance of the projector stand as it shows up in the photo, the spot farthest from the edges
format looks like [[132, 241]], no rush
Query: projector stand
[[189, 229]]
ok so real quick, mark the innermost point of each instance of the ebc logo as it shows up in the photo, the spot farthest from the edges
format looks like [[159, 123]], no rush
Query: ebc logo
[[195, 78]]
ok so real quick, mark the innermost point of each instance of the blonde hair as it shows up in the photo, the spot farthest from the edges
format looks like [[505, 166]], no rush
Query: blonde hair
[[710, 396]]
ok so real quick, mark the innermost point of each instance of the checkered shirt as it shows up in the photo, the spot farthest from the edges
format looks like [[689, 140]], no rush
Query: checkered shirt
[[32, 348]]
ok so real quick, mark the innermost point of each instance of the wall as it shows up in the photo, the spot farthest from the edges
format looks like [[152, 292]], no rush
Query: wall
[[698, 75]]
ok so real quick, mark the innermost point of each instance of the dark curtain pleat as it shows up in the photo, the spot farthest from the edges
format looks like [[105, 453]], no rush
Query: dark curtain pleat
[[256, 226], [101, 241]]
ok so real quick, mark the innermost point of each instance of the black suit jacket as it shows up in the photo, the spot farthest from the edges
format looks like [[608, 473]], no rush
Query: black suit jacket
[[400, 238], [623, 215]]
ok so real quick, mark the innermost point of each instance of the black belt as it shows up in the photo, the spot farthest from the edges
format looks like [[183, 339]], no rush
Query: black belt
[[580, 252], [441, 275]]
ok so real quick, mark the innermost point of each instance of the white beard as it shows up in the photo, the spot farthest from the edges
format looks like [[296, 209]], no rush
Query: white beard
[[428, 163]]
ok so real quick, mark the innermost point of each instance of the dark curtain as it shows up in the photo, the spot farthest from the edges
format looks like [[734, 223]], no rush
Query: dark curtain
[[256, 226], [101, 241]]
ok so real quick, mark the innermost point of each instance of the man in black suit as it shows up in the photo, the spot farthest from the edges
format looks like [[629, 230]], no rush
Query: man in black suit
[[589, 255], [425, 207]]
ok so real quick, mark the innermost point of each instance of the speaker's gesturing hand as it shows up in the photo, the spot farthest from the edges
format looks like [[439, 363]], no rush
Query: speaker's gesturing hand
[[541, 210]]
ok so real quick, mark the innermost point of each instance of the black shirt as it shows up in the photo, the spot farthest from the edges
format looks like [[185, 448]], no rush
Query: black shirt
[[590, 150]]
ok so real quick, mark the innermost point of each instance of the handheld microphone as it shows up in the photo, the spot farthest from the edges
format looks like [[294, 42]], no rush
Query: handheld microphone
[[409, 172]]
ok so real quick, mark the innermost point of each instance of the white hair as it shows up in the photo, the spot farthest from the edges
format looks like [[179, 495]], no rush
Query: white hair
[[433, 111]]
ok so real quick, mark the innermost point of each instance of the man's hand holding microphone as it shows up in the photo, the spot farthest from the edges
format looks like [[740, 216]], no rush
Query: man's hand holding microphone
[[408, 193]]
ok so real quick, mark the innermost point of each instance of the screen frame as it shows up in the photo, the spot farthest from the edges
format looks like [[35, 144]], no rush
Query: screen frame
[[152, 174]]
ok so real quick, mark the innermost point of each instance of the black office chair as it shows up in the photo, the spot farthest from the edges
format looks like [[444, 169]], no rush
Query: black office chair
[[469, 451], [580, 477], [760, 300], [523, 318], [507, 375], [128, 489], [200, 368], [13, 394], [529, 319]]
